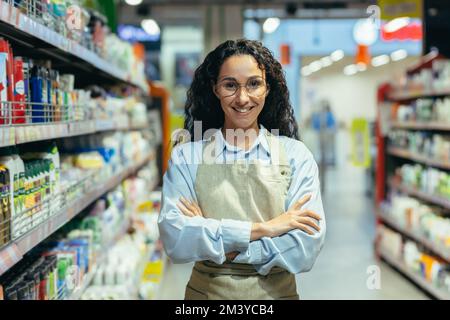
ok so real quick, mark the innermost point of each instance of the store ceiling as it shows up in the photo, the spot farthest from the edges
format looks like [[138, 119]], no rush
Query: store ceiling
[[180, 12], [306, 4]]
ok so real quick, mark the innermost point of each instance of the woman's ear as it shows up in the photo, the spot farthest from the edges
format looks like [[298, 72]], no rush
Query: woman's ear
[[267, 91], [213, 85]]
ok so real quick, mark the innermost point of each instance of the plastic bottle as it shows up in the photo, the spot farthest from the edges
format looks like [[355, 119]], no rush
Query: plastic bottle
[[37, 95], [8, 162], [5, 207], [3, 84], [18, 111]]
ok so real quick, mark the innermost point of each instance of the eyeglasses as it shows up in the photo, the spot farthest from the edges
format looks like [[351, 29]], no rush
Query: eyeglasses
[[255, 87]]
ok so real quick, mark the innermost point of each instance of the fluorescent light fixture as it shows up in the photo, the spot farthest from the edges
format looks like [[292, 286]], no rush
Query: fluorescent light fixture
[[380, 60], [326, 61], [271, 24], [399, 55], [150, 26], [133, 2], [306, 71], [337, 55], [361, 66], [315, 66], [350, 70], [396, 24]]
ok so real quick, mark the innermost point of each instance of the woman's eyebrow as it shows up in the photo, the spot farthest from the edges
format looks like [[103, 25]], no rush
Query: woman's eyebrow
[[234, 79]]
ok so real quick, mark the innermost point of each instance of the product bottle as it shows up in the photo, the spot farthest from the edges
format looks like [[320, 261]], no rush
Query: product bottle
[[5, 212], [18, 192], [18, 111], [4, 118], [7, 161], [37, 95]]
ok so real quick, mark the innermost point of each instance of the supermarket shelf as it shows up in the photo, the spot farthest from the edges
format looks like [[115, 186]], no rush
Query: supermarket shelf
[[26, 32], [78, 292], [12, 135], [440, 251], [417, 279], [14, 252], [400, 96], [414, 125], [402, 153], [437, 200]]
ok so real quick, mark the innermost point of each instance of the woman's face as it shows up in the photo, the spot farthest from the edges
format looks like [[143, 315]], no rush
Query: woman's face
[[242, 91]]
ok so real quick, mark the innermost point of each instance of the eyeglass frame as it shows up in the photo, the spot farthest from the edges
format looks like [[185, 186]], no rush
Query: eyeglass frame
[[242, 85]]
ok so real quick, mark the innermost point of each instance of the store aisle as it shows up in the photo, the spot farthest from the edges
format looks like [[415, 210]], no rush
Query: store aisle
[[340, 271]]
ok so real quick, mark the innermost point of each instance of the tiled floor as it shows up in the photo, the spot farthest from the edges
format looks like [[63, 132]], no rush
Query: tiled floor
[[341, 271]]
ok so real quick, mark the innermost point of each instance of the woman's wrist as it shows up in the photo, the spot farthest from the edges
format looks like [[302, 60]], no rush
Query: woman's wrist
[[259, 230]]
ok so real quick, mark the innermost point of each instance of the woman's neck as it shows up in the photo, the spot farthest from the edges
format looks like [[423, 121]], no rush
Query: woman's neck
[[240, 137]]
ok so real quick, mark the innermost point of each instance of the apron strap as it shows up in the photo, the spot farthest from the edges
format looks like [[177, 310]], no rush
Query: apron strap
[[277, 152]]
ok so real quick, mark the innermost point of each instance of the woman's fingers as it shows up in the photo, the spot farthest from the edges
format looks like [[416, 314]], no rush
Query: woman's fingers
[[301, 202], [197, 208], [184, 210], [188, 205], [191, 206], [309, 222], [309, 213], [304, 228]]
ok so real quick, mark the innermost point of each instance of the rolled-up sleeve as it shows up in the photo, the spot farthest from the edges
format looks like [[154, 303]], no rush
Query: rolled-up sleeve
[[295, 251], [189, 239]]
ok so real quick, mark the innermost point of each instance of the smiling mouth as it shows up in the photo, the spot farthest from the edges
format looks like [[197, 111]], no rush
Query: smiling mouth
[[242, 110]]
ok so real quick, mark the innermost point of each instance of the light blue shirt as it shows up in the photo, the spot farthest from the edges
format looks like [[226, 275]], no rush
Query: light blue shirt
[[189, 239]]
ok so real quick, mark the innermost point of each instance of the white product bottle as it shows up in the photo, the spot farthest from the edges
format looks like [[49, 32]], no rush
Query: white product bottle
[[8, 162]]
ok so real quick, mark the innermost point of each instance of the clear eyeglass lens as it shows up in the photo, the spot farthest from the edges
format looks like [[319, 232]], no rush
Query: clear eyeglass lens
[[254, 88]]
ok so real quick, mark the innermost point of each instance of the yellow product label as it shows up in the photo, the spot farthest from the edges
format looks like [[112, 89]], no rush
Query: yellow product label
[[360, 143], [153, 268]]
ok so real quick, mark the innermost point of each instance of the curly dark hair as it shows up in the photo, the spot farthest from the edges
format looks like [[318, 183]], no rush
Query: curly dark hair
[[203, 105]]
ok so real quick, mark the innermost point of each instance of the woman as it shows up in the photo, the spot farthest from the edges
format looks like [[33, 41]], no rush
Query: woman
[[246, 208]]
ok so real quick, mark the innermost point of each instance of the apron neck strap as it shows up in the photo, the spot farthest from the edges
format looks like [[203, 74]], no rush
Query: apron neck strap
[[277, 151]]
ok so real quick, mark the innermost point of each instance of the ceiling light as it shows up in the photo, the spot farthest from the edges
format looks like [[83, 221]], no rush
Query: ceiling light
[[315, 66], [151, 27], [350, 70], [271, 24], [326, 61], [306, 71], [380, 60], [361, 66], [337, 55], [133, 2], [399, 55], [396, 24]]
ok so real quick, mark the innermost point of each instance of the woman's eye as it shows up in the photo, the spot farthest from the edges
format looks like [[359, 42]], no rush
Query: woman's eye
[[254, 83], [230, 85]]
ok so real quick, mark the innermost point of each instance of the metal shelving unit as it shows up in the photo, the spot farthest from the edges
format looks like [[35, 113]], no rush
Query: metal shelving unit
[[388, 160], [414, 277], [13, 135], [13, 252], [27, 33], [406, 95], [416, 125], [440, 251], [405, 154], [437, 200]]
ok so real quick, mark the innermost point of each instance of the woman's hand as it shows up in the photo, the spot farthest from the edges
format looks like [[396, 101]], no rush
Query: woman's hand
[[294, 218], [189, 208]]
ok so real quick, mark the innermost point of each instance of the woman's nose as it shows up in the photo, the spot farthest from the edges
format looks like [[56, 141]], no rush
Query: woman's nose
[[242, 95]]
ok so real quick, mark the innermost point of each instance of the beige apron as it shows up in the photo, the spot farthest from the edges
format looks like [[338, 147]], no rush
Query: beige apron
[[250, 192]]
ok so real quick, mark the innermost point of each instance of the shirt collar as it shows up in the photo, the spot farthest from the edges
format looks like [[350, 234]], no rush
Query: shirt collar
[[221, 144]]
